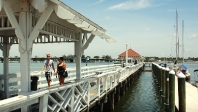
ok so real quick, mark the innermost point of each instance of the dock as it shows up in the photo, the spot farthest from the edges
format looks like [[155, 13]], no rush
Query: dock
[[174, 89], [191, 97]]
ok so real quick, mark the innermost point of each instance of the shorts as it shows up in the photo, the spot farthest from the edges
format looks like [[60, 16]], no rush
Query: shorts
[[48, 76]]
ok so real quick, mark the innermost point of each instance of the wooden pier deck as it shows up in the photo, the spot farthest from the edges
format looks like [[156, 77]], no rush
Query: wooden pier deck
[[191, 97]]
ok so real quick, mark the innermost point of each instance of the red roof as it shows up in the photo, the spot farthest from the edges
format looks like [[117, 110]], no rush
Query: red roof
[[130, 53]]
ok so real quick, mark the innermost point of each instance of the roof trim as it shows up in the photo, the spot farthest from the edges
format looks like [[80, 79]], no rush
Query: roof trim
[[80, 21]]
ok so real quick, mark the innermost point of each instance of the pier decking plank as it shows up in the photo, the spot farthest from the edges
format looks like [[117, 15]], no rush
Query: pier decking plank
[[191, 97]]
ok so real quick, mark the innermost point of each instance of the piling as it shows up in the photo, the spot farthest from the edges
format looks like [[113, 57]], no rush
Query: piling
[[117, 95], [182, 92], [172, 91], [167, 90], [163, 84]]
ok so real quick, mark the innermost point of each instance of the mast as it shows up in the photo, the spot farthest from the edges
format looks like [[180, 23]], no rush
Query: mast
[[183, 41], [176, 35]]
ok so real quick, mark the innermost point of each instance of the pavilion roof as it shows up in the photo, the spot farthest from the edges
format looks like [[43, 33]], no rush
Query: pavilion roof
[[130, 53], [80, 21]]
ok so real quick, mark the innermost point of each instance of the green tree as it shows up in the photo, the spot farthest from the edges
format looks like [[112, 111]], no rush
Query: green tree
[[103, 57], [108, 57], [97, 57]]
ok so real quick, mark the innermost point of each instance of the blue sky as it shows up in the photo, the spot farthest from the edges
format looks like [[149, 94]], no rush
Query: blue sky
[[146, 25]]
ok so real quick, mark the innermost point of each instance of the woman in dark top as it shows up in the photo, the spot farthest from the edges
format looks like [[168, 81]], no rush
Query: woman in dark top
[[61, 67]]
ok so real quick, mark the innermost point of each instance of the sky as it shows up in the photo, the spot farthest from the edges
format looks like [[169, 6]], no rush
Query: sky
[[146, 25]]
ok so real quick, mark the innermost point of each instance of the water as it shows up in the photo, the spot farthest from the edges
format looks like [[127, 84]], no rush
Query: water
[[142, 96], [15, 67]]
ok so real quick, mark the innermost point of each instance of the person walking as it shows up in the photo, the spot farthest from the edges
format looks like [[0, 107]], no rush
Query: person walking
[[48, 66], [61, 67]]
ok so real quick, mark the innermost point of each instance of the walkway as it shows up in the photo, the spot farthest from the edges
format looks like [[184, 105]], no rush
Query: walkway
[[191, 97]]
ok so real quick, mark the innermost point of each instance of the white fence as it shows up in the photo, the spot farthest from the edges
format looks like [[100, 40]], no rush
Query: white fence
[[74, 96], [14, 79]]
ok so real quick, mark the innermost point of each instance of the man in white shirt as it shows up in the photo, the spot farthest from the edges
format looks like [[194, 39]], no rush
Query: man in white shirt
[[48, 66]]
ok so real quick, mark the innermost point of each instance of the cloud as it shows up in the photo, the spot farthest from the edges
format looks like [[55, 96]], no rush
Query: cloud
[[193, 36], [132, 4], [99, 1]]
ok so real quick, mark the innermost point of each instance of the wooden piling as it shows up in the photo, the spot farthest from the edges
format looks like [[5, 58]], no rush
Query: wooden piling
[[182, 92], [172, 91]]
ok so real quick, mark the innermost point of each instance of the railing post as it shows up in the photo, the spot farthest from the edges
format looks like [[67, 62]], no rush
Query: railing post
[[88, 94], [43, 103], [98, 87], [182, 92], [72, 99], [172, 90]]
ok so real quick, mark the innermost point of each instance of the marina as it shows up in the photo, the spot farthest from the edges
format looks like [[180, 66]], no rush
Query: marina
[[126, 83]]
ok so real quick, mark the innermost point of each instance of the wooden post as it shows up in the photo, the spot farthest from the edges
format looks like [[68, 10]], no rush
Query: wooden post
[[182, 92], [172, 91], [163, 84], [167, 90], [117, 95]]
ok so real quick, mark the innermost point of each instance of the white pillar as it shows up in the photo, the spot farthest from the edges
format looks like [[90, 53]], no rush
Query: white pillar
[[78, 53], [6, 49], [25, 23], [126, 54]]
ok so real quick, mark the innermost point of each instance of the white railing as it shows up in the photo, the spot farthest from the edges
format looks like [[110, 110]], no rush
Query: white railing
[[74, 96], [14, 79], [13, 82]]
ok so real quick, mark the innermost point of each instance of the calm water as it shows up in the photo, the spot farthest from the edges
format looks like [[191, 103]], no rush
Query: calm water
[[142, 96], [15, 67]]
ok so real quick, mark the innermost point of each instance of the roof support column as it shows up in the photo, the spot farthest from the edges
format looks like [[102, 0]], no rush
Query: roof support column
[[25, 23], [78, 54], [1, 47], [6, 49]]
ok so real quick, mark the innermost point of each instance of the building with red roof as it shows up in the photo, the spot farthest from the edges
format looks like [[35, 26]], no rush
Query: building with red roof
[[131, 55]]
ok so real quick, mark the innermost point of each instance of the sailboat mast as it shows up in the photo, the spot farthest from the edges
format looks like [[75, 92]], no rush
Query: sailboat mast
[[183, 41], [176, 35]]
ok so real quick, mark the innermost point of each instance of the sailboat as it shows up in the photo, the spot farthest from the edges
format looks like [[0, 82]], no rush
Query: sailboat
[[182, 67]]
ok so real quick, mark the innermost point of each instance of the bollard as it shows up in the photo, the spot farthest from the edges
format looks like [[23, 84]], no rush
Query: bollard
[[182, 92], [161, 80], [172, 91], [163, 84], [167, 90]]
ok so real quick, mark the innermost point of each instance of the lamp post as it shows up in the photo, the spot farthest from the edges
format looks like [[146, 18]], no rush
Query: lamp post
[[126, 54]]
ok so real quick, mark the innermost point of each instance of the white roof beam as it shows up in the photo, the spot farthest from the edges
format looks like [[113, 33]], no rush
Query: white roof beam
[[13, 21], [84, 24], [41, 22], [40, 5], [63, 13], [75, 20]]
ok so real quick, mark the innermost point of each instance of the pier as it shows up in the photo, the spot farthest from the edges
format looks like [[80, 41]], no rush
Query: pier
[[76, 96]]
